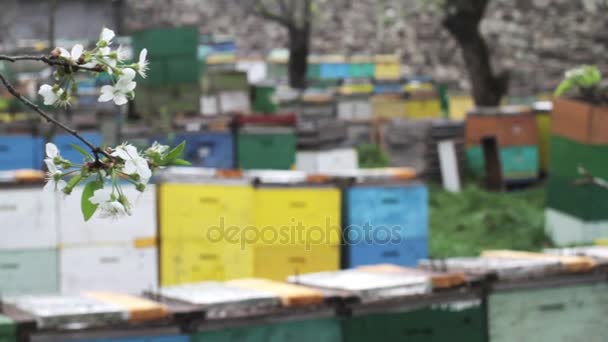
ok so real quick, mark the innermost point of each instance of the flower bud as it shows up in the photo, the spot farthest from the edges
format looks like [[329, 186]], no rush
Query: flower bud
[[140, 187]]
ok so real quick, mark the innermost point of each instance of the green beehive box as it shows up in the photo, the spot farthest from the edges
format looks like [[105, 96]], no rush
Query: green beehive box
[[31, 271], [464, 321], [229, 80], [182, 69], [319, 330], [567, 155], [585, 201], [264, 99], [314, 71], [157, 73], [167, 42], [572, 313], [518, 162], [174, 98], [8, 329], [258, 150], [361, 70]]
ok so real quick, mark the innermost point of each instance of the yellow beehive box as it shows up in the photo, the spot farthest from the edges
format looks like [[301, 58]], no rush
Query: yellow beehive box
[[296, 215], [191, 261], [569, 263], [357, 88], [290, 294], [202, 211], [460, 105], [280, 262], [388, 67], [387, 106], [140, 309], [421, 109], [543, 121]]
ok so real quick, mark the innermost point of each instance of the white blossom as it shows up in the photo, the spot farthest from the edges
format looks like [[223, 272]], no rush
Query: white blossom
[[52, 151], [121, 91], [106, 36], [108, 204], [157, 148], [142, 64], [54, 175], [74, 55], [134, 163], [50, 94]]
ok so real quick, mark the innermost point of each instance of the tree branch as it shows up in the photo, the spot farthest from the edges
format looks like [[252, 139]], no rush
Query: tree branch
[[96, 150], [50, 61]]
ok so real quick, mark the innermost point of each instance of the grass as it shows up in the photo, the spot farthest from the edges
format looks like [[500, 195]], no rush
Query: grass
[[466, 223]]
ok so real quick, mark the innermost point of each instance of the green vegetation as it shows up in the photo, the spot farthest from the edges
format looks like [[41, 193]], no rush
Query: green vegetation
[[466, 223]]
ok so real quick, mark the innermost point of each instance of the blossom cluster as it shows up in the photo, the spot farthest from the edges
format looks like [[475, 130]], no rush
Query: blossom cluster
[[104, 178], [100, 59]]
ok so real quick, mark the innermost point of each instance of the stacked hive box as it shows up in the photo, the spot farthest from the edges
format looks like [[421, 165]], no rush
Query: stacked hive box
[[8, 330], [516, 133], [266, 144], [577, 213], [28, 248], [172, 82], [406, 142], [423, 101], [201, 230], [20, 152], [211, 149], [108, 255], [543, 121], [442, 130], [225, 92], [385, 224], [298, 229]]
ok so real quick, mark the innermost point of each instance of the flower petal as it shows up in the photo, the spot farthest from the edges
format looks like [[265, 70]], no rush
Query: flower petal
[[64, 53], [142, 56], [107, 93], [101, 196], [107, 35], [51, 150], [120, 99], [77, 52]]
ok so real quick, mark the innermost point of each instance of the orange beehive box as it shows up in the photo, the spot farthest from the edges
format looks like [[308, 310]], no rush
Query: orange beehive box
[[140, 309]]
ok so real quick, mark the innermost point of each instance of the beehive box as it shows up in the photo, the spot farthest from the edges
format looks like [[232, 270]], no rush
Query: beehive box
[[388, 67], [509, 129], [20, 152], [29, 271], [586, 202], [8, 329], [354, 108], [565, 229], [455, 320], [570, 155], [386, 106], [116, 267], [288, 260], [266, 149], [139, 309], [549, 314], [361, 67], [138, 229], [208, 149], [520, 162], [28, 217], [290, 294], [327, 161], [322, 330]]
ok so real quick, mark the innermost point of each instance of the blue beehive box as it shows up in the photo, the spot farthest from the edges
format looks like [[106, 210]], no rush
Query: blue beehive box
[[208, 149], [388, 88], [384, 222], [334, 71], [403, 253], [64, 143], [20, 152]]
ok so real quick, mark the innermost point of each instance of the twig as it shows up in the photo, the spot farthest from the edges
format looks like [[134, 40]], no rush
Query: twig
[[96, 150], [51, 61]]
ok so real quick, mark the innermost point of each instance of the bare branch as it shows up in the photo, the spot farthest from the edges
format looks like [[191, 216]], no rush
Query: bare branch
[[96, 150], [51, 61]]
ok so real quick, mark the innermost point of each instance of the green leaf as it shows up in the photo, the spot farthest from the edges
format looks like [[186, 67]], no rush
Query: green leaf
[[88, 208], [175, 153], [563, 88], [180, 162], [82, 151]]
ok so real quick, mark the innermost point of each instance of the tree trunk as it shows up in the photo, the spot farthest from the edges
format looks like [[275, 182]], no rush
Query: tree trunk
[[299, 46], [488, 88]]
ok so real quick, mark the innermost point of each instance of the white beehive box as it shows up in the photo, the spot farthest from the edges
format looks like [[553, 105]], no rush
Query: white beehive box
[[327, 161]]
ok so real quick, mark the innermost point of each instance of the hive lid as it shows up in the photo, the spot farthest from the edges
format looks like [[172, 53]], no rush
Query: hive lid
[[70, 312], [597, 252], [290, 294], [440, 280], [569, 263], [508, 269], [220, 299], [140, 309], [368, 286]]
